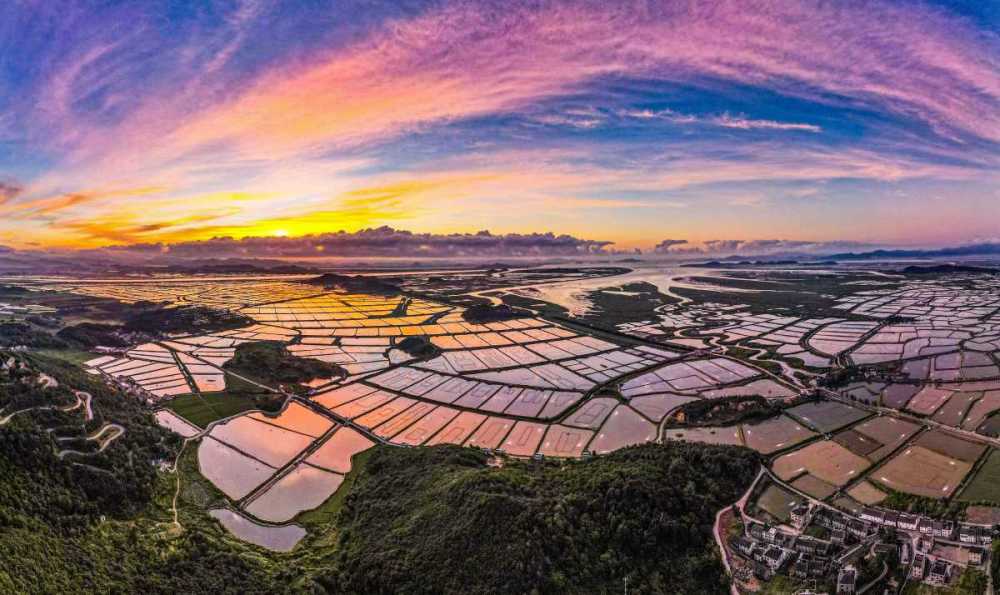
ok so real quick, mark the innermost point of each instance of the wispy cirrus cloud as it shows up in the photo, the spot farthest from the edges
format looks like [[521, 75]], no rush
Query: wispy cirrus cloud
[[724, 120]]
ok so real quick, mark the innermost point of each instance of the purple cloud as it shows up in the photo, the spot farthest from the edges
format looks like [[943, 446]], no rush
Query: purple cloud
[[380, 242]]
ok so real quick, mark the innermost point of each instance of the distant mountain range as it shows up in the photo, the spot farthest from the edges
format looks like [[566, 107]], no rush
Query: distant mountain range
[[990, 249], [104, 261]]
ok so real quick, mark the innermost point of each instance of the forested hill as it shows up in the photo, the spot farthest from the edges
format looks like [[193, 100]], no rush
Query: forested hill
[[438, 520], [97, 522]]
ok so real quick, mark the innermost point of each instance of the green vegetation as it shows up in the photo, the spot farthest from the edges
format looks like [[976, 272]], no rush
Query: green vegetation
[[632, 302], [69, 305], [93, 334], [99, 523], [37, 486], [723, 411], [970, 582], [482, 313], [995, 561], [434, 520], [774, 500], [202, 409], [542, 307], [23, 334], [782, 585], [984, 486], [157, 320], [799, 293], [871, 567], [950, 509], [356, 284], [419, 347], [271, 364], [71, 356], [744, 354], [145, 321], [326, 514]]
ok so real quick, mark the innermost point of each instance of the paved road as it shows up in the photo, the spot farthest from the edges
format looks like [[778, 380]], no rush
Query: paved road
[[718, 529], [118, 430]]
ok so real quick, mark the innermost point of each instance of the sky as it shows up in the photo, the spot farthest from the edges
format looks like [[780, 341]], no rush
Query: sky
[[673, 123]]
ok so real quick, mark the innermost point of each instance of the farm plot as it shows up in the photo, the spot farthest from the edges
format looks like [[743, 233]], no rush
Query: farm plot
[[866, 493], [234, 473], [866, 392], [278, 539], [826, 460], [928, 400], [395, 427], [297, 418], [857, 443], [656, 407], [953, 411], [428, 425], [592, 414], [343, 394], [990, 427], [524, 439], [898, 395], [826, 416], [459, 429], [363, 405], [378, 416], [778, 502], [888, 432], [982, 409], [764, 387], [838, 337], [814, 486], [267, 443], [688, 376], [774, 434], [985, 484], [623, 427], [201, 410], [303, 488], [951, 446], [491, 432], [923, 472], [877, 437], [336, 452], [562, 441], [175, 423]]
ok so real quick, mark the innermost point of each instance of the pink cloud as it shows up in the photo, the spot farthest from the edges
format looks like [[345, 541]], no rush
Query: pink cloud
[[466, 60]]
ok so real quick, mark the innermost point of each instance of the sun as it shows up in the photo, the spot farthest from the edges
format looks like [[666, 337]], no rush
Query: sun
[[280, 233]]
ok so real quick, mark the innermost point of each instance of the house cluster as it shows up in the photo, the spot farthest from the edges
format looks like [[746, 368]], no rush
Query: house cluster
[[910, 522], [924, 565], [844, 530], [847, 538], [774, 551], [964, 533]]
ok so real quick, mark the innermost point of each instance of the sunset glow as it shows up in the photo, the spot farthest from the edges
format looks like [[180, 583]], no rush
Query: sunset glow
[[632, 122]]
